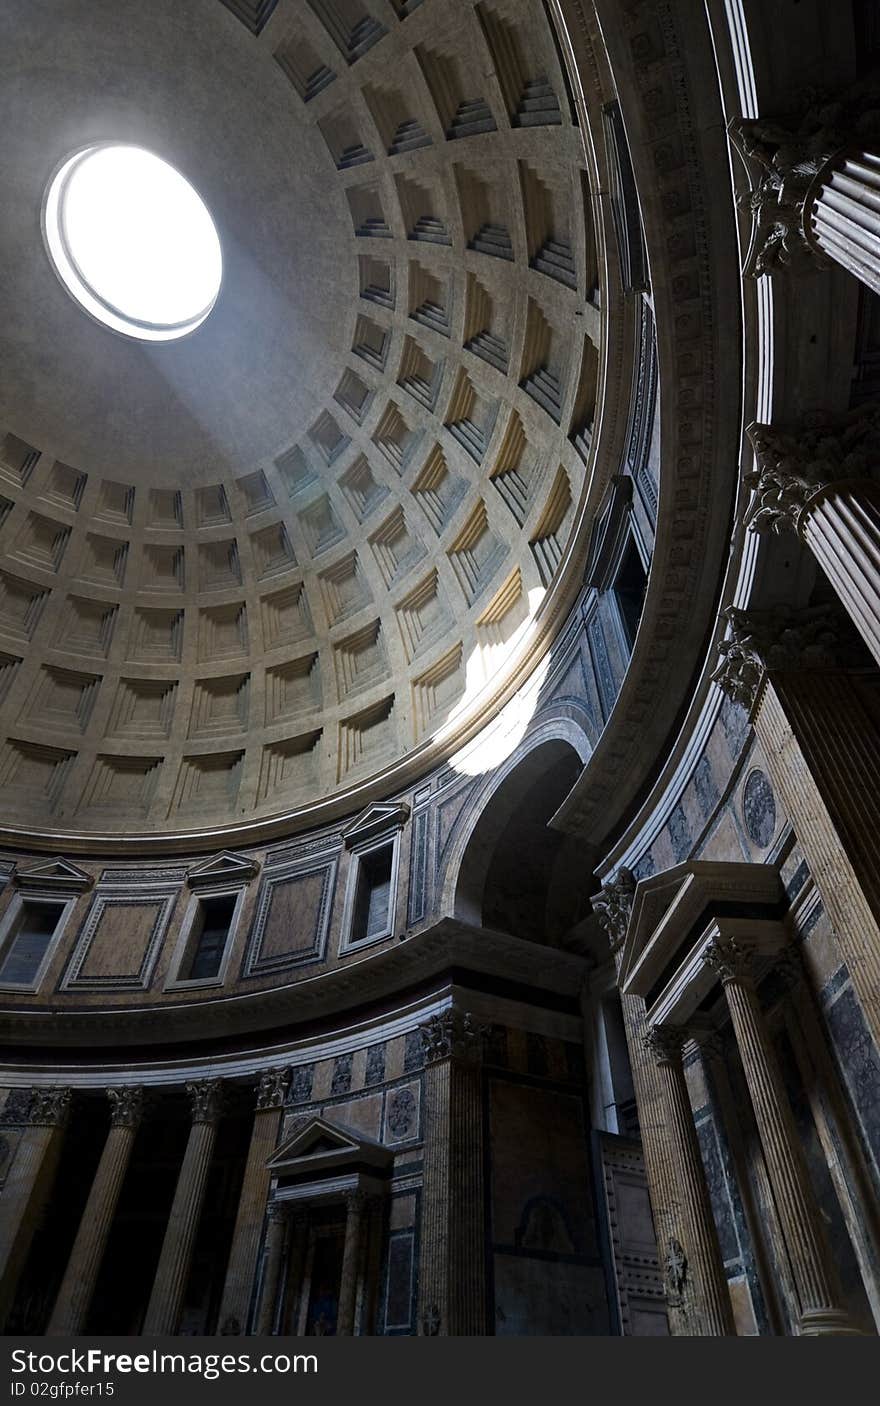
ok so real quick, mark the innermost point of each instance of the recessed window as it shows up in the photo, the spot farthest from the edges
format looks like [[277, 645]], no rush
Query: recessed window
[[208, 937], [629, 588], [133, 242], [28, 942], [373, 915]]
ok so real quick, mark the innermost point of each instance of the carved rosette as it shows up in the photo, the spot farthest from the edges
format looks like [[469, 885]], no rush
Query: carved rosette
[[776, 639], [732, 961], [665, 1042], [126, 1106], [454, 1035], [206, 1100], [50, 1108], [613, 905], [272, 1089]]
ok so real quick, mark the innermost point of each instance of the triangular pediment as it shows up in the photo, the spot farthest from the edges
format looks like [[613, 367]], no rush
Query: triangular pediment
[[323, 1147], [666, 907], [222, 866], [57, 873], [377, 819]]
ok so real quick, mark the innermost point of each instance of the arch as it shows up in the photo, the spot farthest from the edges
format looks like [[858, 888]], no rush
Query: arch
[[507, 867]]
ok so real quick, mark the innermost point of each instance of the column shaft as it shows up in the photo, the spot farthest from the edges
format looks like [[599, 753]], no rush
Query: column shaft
[[238, 1289], [822, 744], [351, 1264], [812, 1267], [78, 1285], [28, 1185], [657, 1148], [842, 529], [711, 1310], [452, 1279], [276, 1234], [842, 214], [169, 1285]]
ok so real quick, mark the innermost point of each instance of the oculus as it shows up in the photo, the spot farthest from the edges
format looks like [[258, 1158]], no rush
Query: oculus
[[132, 242]]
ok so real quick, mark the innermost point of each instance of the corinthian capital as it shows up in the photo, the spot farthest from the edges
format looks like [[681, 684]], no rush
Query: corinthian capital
[[790, 469], [613, 905], [732, 961], [206, 1099], [50, 1108], [452, 1035], [783, 158], [775, 639], [126, 1106], [272, 1088], [664, 1043]]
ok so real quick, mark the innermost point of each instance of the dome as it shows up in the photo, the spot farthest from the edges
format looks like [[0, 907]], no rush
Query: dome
[[256, 575]]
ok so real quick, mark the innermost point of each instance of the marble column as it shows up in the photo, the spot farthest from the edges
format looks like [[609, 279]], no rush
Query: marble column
[[277, 1225], [452, 1282], [238, 1289], [169, 1285], [298, 1242], [819, 484], [818, 726], [710, 1309], [841, 214], [29, 1182], [815, 195], [813, 1273], [612, 906], [355, 1222], [78, 1285]]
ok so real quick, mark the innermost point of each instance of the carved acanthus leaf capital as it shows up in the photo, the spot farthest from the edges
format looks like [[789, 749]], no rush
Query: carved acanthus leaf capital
[[665, 1043], [613, 905], [784, 156], [206, 1100], [790, 469], [453, 1034], [126, 1106], [50, 1108], [732, 961], [272, 1089], [776, 639]]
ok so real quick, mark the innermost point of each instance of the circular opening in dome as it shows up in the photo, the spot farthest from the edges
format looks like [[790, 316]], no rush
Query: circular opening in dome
[[133, 242]]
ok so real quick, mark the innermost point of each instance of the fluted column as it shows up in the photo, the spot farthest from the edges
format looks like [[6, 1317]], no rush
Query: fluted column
[[815, 196], [169, 1285], [819, 484], [613, 905], [711, 1312], [841, 215], [452, 1283], [814, 1277], [819, 731], [29, 1183], [238, 1288], [78, 1285], [355, 1220], [276, 1235]]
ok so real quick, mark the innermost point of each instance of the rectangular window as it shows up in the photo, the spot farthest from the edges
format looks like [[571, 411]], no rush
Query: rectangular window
[[32, 931], [630, 585], [208, 937], [373, 916]]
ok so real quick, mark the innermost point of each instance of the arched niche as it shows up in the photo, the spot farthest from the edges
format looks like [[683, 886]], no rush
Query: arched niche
[[516, 874]]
